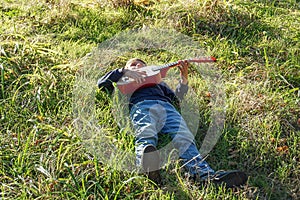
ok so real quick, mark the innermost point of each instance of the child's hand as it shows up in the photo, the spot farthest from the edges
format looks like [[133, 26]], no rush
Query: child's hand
[[138, 76], [183, 67]]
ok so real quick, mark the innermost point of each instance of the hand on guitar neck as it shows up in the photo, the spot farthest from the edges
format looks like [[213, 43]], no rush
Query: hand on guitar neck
[[183, 67]]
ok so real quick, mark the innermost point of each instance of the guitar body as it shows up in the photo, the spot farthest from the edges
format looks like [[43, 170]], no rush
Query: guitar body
[[154, 75], [128, 85]]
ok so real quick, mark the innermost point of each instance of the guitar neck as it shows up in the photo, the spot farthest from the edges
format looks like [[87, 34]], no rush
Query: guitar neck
[[158, 68], [196, 60]]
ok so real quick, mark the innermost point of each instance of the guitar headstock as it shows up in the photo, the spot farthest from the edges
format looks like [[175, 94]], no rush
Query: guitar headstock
[[203, 59]]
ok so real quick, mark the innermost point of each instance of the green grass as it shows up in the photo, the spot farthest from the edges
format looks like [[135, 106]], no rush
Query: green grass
[[42, 45]]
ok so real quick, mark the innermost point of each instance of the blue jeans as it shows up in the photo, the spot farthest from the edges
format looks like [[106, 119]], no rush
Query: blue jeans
[[151, 117]]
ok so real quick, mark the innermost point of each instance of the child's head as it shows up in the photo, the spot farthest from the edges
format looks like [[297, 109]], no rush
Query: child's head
[[135, 63]]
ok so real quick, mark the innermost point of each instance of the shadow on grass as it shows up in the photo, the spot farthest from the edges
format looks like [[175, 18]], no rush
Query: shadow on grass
[[250, 38], [241, 28], [88, 25]]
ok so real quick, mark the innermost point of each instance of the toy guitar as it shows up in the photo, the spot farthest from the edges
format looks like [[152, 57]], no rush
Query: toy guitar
[[154, 75]]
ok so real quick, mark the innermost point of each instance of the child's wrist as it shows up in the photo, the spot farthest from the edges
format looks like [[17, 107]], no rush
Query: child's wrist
[[184, 81]]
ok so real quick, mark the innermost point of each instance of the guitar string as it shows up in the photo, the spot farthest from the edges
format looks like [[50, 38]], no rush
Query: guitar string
[[156, 68]]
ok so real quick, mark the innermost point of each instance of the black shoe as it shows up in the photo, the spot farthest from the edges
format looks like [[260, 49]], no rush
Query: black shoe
[[150, 163], [229, 178]]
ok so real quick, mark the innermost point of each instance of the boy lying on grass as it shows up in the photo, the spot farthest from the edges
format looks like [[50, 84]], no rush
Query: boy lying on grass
[[153, 111]]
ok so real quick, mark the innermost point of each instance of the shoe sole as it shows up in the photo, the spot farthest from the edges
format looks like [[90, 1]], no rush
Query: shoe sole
[[150, 163], [231, 179]]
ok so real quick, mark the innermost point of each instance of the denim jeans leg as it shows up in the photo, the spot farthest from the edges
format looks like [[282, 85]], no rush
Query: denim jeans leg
[[144, 127], [194, 162], [183, 140]]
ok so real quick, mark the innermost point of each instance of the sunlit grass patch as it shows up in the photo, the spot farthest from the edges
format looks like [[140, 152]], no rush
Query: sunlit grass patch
[[42, 44]]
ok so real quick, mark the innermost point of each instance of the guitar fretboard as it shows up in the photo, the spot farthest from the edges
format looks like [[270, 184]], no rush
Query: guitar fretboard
[[198, 60], [157, 68]]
